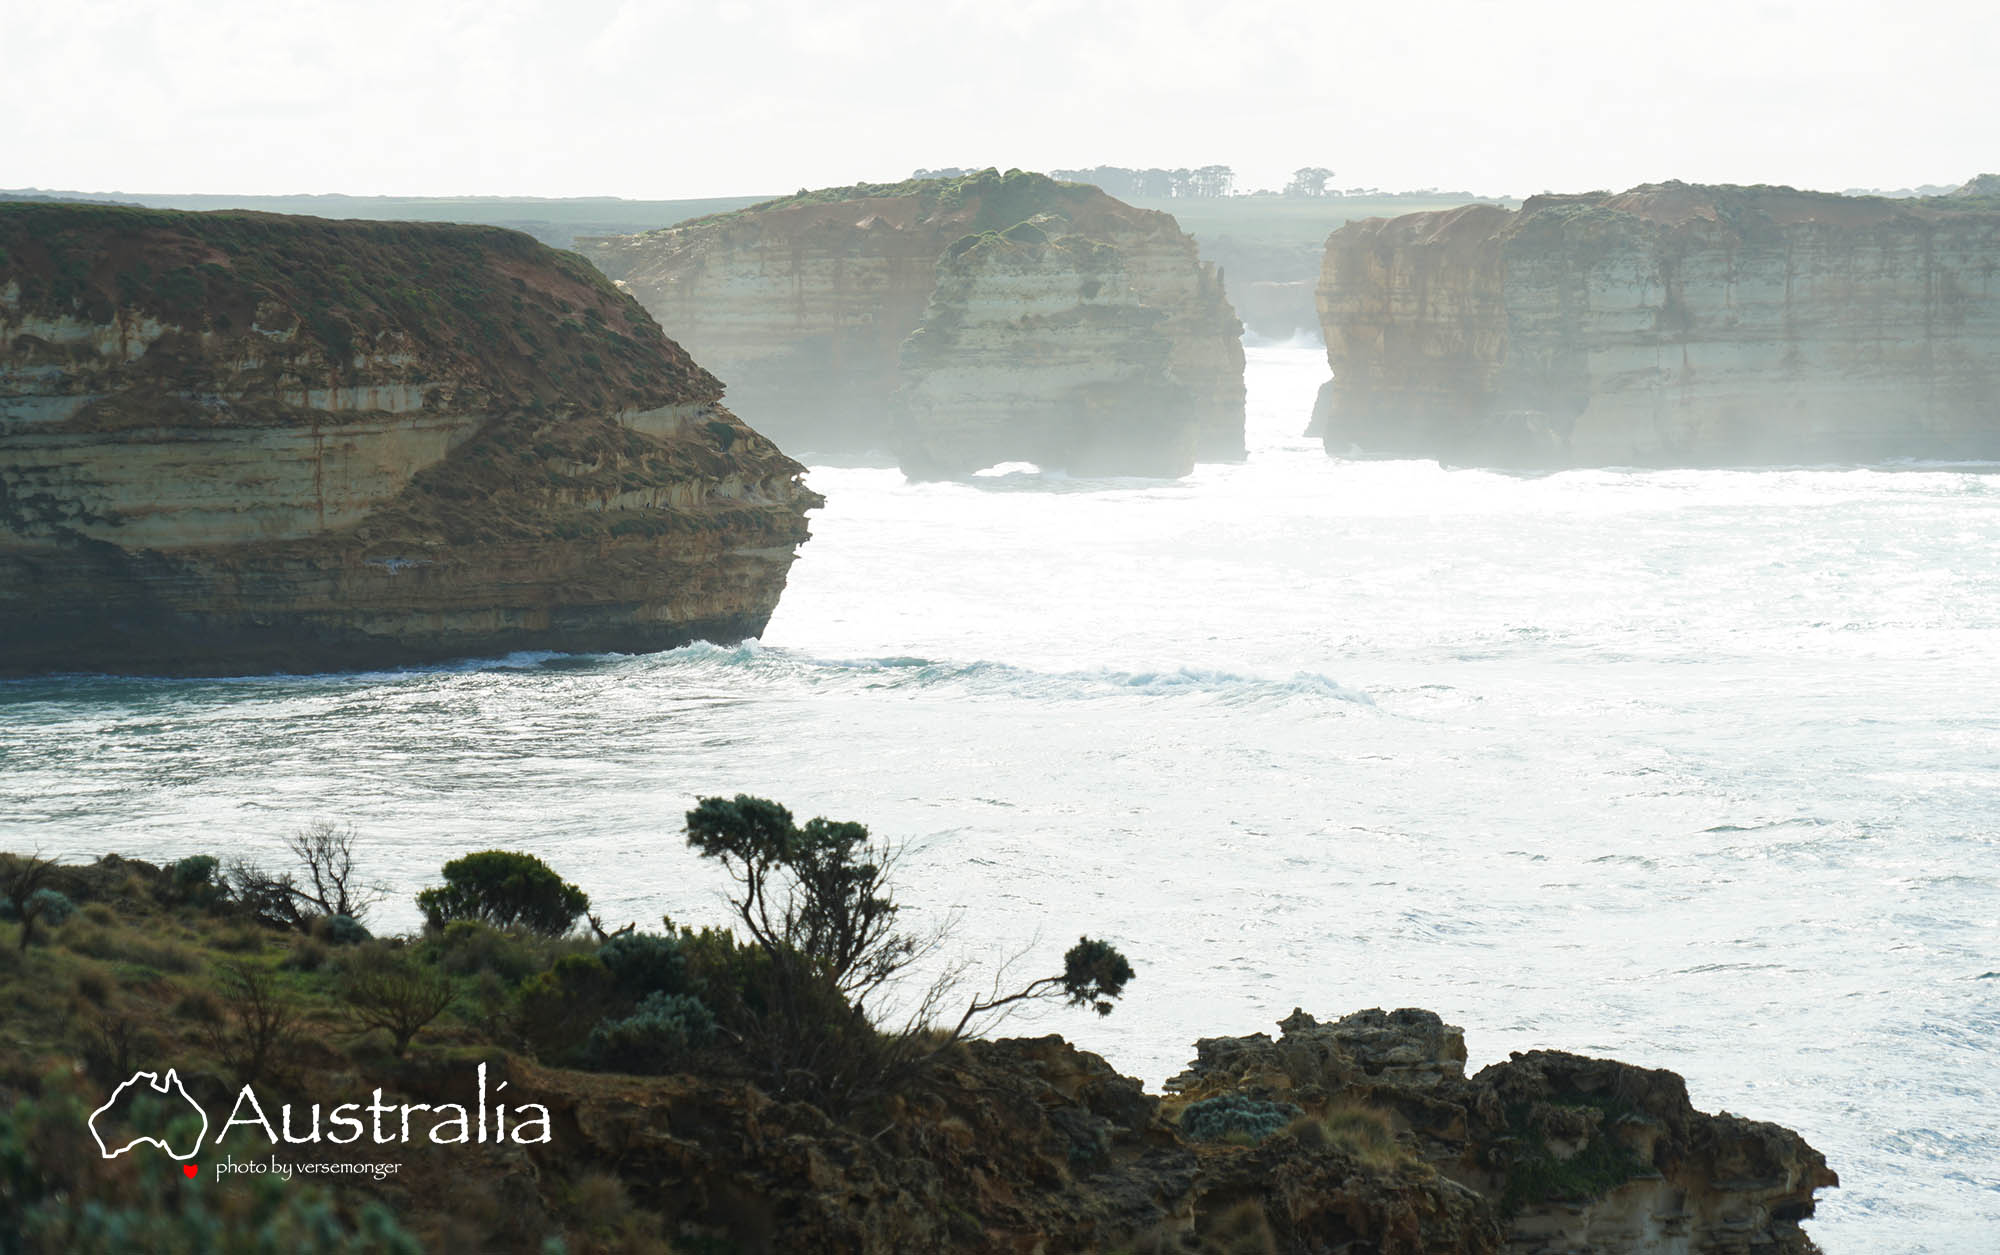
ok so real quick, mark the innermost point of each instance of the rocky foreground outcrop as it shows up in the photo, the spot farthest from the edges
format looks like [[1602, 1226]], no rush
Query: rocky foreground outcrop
[[1379, 1144], [247, 442], [1669, 325], [804, 305]]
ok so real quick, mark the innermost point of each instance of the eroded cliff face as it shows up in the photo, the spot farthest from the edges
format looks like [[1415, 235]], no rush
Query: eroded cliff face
[[1668, 325], [1569, 1154], [1032, 1145], [243, 442], [803, 303], [1039, 350]]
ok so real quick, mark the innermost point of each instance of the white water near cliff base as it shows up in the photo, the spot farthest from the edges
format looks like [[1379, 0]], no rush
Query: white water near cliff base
[[1698, 770]]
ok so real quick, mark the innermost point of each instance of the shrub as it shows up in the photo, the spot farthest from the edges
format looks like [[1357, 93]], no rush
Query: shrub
[[269, 898], [308, 955], [24, 888], [345, 930], [557, 1008], [644, 963], [201, 1006], [505, 888], [239, 939], [125, 945], [468, 946], [391, 990], [196, 880], [1362, 1132], [259, 1028], [656, 1037], [1214, 1119], [58, 1200], [51, 906]]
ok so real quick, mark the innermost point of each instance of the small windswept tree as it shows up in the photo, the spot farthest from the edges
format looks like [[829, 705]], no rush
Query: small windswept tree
[[325, 852], [391, 990], [817, 903], [819, 893], [27, 892]]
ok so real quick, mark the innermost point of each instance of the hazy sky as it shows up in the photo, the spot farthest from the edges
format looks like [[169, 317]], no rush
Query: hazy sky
[[646, 98]]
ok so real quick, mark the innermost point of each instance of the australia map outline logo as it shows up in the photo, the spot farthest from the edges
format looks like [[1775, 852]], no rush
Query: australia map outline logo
[[165, 1085]]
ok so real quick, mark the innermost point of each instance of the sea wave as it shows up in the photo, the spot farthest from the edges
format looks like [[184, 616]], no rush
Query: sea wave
[[989, 678]]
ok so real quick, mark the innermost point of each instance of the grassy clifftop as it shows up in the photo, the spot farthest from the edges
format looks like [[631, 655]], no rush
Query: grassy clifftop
[[483, 307]]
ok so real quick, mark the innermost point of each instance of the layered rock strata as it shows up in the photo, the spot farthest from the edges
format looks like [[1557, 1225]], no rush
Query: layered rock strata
[[1668, 325], [1038, 349], [244, 442], [803, 304]]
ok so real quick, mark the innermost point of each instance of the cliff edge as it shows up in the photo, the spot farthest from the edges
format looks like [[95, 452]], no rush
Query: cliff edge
[[1670, 325], [803, 303], [235, 442]]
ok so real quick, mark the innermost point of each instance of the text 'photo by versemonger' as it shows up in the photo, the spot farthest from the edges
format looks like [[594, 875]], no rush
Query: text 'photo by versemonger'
[[893, 627]]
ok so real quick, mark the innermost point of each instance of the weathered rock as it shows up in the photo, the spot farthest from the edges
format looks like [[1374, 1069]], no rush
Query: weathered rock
[[1410, 1047], [1016, 1146], [244, 442], [1568, 1154], [1039, 350], [1029, 1145], [1668, 325], [803, 304]]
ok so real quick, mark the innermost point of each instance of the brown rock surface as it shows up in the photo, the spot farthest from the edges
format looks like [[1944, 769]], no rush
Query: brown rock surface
[[1669, 325], [803, 303], [245, 442], [1030, 1145], [1570, 1154]]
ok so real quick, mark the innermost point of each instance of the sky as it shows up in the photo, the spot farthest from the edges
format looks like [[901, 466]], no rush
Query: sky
[[662, 99]]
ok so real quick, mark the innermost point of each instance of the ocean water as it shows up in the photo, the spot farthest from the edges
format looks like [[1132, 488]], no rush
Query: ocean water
[[1698, 770]]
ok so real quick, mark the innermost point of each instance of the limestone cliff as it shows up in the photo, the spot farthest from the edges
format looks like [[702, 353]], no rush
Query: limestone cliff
[[1668, 325], [242, 442], [1039, 350], [803, 303]]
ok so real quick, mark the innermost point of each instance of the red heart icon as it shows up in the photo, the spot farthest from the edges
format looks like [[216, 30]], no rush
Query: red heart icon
[[188, 1170]]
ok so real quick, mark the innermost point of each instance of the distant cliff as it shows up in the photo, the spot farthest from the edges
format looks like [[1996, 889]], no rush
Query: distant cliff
[[1037, 349], [1668, 325], [248, 442], [803, 304]]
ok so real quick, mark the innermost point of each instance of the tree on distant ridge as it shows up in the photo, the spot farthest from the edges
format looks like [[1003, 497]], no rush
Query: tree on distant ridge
[[1308, 181]]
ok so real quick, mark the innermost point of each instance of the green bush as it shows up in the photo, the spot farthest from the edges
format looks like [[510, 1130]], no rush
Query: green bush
[[468, 947], [658, 1035], [394, 990], [345, 930], [504, 888], [645, 963], [557, 1008], [1215, 1119], [48, 905], [195, 879], [53, 1199]]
